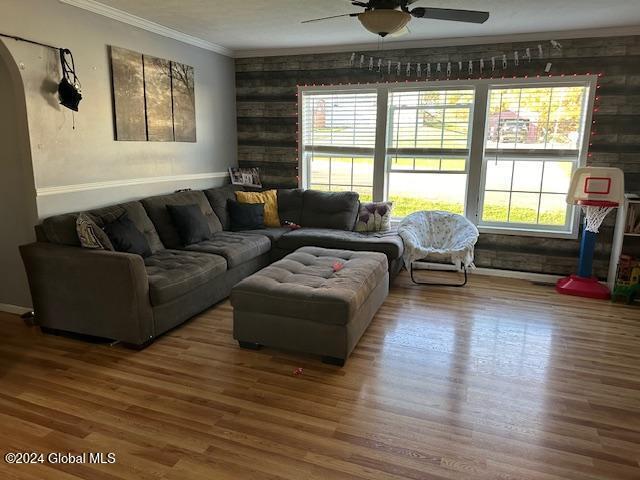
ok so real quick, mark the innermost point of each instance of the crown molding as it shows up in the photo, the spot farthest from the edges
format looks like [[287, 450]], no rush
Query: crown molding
[[133, 20], [443, 42], [83, 187]]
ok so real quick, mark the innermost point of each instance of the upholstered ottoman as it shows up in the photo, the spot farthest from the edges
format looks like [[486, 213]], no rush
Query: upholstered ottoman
[[304, 303]]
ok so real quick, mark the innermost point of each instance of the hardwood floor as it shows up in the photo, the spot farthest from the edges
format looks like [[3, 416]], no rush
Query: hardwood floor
[[500, 380]]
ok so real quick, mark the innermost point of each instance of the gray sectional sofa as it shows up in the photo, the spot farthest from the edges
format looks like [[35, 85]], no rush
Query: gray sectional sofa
[[132, 299]]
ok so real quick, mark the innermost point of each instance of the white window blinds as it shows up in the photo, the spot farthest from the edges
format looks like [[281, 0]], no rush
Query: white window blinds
[[339, 119], [338, 140], [429, 129]]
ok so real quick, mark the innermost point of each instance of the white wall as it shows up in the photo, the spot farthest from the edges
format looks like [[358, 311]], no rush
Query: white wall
[[63, 156], [85, 167]]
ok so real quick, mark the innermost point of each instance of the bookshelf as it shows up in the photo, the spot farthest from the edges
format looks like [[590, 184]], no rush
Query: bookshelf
[[627, 229]]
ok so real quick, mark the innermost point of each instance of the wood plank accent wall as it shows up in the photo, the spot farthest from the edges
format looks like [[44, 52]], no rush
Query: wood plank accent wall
[[267, 117]]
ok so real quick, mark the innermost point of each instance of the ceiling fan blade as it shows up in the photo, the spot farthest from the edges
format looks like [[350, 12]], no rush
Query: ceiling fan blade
[[328, 18], [469, 16]]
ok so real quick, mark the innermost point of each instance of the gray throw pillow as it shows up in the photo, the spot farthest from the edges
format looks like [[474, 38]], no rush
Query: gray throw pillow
[[91, 235], [374, 217]]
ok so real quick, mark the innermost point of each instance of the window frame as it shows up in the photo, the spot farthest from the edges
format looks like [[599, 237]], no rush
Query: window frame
[[475, 170], [571, 227], [304, 165], [432, 86]]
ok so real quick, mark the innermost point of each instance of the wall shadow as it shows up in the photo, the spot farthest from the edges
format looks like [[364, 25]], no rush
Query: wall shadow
[[18, 208]]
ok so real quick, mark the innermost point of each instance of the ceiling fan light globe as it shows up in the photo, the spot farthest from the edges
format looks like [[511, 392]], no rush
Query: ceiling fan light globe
[[384, 22]]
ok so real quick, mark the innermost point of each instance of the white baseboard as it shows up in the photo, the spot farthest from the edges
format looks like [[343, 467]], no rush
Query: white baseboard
[[533, 277], [493, 272], [14, 309]]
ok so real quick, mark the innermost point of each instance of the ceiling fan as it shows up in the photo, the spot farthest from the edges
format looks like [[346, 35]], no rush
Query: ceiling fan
[[384, 17]]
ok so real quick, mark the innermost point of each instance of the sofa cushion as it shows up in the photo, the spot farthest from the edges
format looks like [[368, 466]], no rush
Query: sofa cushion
[[374, 217], [190, 222], [274, 234], [306, 285], [269, 199], [173, 273], [290, 204], [237, 248], [336, 210], [125, 237], [157, 209], [218, 198], [245, 216], [388, 243], [91, 235], [61, 229]]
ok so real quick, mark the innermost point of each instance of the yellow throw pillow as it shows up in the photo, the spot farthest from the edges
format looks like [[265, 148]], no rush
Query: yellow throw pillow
[[270, 200]]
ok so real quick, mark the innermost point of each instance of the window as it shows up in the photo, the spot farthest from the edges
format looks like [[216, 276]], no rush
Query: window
[[532, 146], [501, 152], [428, 149], [338, 135]]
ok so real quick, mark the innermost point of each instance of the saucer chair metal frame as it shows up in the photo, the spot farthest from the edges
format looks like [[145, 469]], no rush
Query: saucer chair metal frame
[[438, 284]]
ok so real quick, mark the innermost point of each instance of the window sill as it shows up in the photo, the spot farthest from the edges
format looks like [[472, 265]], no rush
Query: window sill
[[523, 232], [520, 232]]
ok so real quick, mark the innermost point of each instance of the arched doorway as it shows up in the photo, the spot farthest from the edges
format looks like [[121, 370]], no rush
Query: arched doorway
[[18, 210]]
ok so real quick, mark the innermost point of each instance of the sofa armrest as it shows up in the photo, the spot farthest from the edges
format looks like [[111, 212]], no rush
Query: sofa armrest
[[91, 292]]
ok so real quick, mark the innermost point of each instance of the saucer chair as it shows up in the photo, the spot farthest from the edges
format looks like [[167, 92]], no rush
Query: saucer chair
[[438, 239]]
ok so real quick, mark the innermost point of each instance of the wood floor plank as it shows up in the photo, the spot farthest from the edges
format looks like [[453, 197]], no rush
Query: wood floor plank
[[503, 379]]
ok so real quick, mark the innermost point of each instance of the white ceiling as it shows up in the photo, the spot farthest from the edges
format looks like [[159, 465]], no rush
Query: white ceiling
[[247, 26]]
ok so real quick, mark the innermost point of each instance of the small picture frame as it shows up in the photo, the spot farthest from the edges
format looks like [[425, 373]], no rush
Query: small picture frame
[[246, 177]]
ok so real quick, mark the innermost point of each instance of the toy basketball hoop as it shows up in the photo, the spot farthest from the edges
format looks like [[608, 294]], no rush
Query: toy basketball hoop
[[598, 190]]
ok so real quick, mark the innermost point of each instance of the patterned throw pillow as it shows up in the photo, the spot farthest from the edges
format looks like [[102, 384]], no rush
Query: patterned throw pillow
[[374, 217], [91, 235], [270, 200]]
